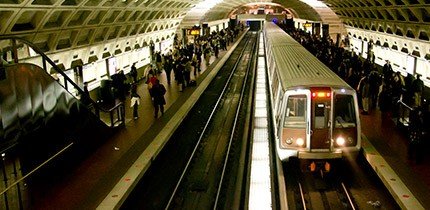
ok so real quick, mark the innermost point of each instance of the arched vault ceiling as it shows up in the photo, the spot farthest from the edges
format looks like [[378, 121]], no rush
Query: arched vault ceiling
[[303, 10], [67, 24], [410, 18]]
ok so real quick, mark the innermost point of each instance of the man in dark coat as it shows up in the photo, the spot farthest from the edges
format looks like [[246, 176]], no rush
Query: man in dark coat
[[158, 91], [133, 73], [417, 89]]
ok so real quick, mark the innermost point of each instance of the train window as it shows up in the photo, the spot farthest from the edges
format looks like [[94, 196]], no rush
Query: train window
[[344, 111], [295, 116], [320, 115], [319, 110]]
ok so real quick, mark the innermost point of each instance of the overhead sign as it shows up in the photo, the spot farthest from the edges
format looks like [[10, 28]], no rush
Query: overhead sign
[[194, 31], [307, 24]]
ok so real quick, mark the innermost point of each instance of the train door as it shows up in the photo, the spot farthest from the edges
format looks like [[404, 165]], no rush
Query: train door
[[320, 116]]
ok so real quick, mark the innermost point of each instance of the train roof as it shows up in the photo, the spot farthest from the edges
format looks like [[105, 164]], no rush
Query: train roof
[[297, 66], [276, 36]]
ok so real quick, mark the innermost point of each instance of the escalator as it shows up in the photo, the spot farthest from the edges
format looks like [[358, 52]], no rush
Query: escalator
[[38, 118]]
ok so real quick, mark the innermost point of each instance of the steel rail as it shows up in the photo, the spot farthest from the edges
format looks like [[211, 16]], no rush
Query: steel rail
[[236, 118], [348, 196], [302, 195], [206, 126]]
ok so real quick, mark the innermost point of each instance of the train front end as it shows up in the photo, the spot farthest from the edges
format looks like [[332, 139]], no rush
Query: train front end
[[319, 124]]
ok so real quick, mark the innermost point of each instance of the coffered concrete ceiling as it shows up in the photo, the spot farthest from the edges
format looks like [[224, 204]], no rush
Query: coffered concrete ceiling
[[66, 24]]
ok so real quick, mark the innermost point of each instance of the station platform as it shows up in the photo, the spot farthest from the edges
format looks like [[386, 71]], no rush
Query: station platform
[[385, 147], [102, 181]]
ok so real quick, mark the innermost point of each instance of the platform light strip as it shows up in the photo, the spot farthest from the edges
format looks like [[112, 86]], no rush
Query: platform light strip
[[260, 123], [260, 195], [260, 104]]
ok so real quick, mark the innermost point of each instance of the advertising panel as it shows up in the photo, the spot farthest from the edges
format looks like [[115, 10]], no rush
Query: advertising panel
[[112, 65]]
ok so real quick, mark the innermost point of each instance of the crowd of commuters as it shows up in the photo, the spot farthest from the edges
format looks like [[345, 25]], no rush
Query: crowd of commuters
[[178, 64], [380, 88]]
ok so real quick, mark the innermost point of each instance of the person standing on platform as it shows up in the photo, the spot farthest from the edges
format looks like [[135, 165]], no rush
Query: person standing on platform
[[416, 135], [133, 73], [118, 81], [135, 102], [207, 54], [168, 66], [374, 83], [151, 49], [384, 100], [198, 55], [417, 89], [179, 74], [387, 71], [187, 70], [398, 86], [150, 81], [195, 64], [158, 91], [364, 89], [158, 62]]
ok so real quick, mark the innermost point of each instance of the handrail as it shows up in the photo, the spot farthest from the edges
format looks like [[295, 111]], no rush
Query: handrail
[[405, 105], [113, 108], [45, 59], [403, 112], [120, 109]]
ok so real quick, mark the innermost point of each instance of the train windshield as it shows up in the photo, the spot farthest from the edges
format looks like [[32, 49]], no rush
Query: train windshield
[[344, 111], [295, 115]]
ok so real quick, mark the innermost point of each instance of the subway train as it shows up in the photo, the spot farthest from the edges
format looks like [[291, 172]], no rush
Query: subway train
[[315, 112]]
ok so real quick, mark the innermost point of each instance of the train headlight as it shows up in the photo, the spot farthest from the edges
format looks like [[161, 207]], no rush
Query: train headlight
[[289, 141], [340, 141], [300, 142]]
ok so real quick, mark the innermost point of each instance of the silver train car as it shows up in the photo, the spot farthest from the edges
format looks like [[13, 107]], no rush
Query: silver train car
[[315, 112]]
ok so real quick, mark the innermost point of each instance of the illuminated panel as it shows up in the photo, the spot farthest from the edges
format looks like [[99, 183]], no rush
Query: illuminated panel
[[260, 194], [321, 94]]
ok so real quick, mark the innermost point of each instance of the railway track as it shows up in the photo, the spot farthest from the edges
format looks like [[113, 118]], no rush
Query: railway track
[[334, 195], [209, 125], [347, 186], [201, 183], [319, 190]]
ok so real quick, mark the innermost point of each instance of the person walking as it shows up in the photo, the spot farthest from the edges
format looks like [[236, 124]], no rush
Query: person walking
[[135, 102], [158, 91]]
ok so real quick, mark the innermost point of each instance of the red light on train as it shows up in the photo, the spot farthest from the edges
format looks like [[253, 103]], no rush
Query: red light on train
[[321, 94]]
